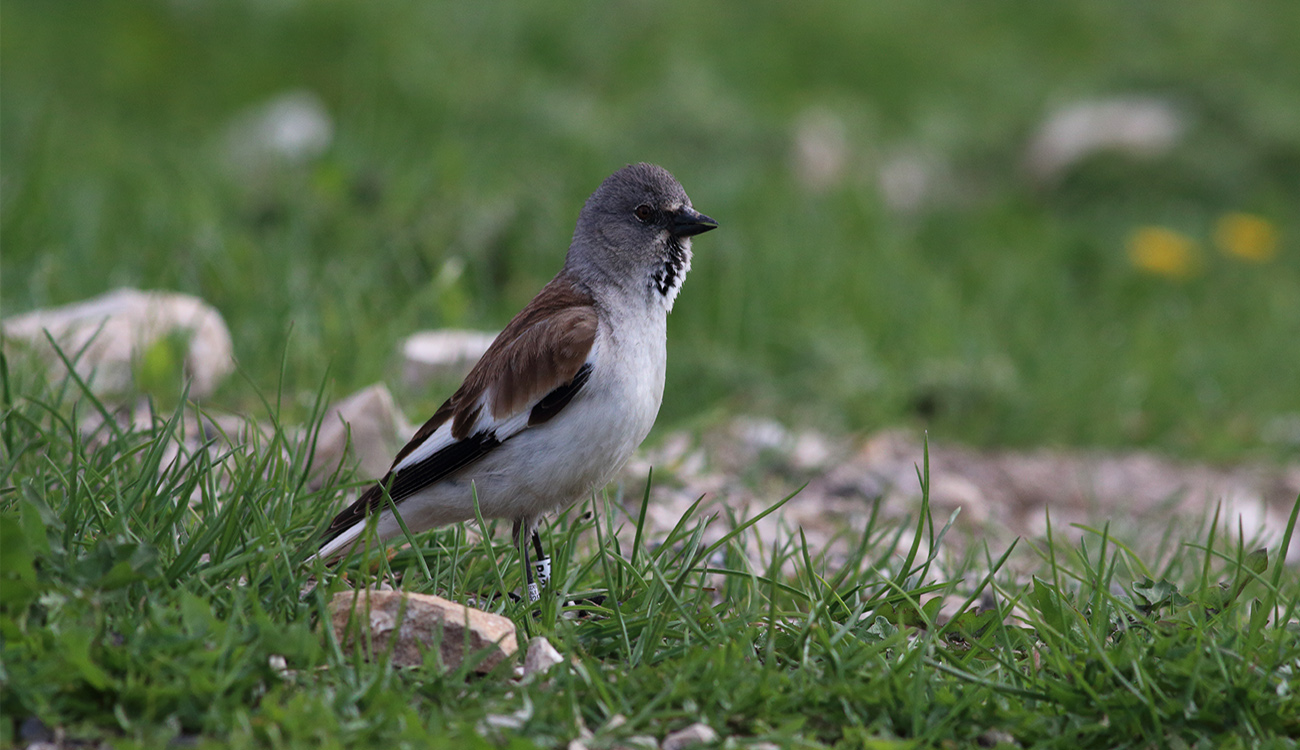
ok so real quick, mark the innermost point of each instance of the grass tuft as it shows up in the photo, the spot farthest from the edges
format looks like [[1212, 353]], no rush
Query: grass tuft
[[156, 591]]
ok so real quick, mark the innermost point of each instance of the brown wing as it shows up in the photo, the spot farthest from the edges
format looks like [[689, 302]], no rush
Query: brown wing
[[540, 350], [538, 362]]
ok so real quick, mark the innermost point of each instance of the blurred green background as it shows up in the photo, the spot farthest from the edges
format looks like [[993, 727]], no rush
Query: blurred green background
[[891, 250]]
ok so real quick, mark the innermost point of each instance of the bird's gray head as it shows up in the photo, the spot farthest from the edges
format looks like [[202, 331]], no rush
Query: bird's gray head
[[635, 232]]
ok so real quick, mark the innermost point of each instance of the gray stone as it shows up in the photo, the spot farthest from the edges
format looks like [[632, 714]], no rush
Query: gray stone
[[415, 624], [291, 127], [1137, 126], [821, 149], [541, 656], [118, 328], [429, 355], [748, 463], [364, 430], [913, 179], [698, 733]]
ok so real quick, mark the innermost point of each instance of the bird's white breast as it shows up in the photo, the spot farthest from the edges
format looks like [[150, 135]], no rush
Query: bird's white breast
[[586, 444], [552, 465]]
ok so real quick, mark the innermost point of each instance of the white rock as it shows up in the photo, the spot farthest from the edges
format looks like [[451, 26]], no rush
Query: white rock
[[292, 127], [698, 733], [812, 451], [511, 721], [1282, 430], [280, 666], [414, 624], [949, 492], [541, 656], [821, 149], [375, 426], [910, 180], [1140, 126], [996, 738], [118, 328], [433, 354], [761, 434]]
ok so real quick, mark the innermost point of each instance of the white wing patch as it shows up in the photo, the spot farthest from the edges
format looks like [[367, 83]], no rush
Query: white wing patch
[[441, 438]]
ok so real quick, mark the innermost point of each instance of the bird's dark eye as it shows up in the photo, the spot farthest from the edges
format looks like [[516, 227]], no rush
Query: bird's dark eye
[[644, 213]]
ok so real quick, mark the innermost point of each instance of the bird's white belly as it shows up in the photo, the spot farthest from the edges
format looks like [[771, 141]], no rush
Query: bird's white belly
[[557, 463]]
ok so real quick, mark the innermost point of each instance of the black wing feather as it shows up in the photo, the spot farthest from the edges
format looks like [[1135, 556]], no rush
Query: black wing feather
[[412, 479], [447, 461], [553, 402], [454, 457]]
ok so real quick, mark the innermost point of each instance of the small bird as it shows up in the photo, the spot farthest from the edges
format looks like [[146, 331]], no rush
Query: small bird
[[565, 393]]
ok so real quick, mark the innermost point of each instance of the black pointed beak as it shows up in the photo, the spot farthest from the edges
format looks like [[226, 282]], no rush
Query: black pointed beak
[[687, 222]]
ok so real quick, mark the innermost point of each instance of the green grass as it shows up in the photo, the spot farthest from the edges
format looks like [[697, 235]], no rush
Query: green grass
[[1003, 315], [145, 593]]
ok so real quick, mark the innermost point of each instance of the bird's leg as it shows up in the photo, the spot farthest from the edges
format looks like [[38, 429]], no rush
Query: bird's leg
[[521, 527], [543, 562]]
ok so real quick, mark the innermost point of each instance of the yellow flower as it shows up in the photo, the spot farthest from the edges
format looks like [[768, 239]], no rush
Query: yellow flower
[[1246, 236], [1163, 252]]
